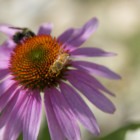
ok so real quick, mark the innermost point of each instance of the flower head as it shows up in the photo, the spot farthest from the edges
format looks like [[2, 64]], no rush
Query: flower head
[[30, 64]]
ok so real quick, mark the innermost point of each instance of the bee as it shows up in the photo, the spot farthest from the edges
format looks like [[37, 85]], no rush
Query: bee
[[25, 33], [59, 63]]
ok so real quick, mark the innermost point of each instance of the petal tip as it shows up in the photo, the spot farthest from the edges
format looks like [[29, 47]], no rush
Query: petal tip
[[95, 20], [112, 111], [118, 77]]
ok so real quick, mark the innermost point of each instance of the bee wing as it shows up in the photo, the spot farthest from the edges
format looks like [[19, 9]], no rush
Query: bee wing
[[18, 28]]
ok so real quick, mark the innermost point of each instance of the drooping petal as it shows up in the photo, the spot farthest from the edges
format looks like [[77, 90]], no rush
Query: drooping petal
[[5, 97], [90, 52], [93, 95], [64, 115], [12, 117], [7, 30], [54, 128], [32, 118], [95, 69], [80, 109], [8, 110], [45, 29], [85, 77], [5, 117], [78, 36], [3, 73], [5, 85]]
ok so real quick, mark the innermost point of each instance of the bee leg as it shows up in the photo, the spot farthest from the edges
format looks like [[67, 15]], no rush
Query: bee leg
[[57, 74]]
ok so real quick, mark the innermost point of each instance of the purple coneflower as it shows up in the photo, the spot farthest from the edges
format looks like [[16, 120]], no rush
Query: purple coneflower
[[31, 64]]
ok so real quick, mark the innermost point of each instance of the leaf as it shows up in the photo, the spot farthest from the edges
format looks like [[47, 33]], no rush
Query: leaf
[[120, 133]]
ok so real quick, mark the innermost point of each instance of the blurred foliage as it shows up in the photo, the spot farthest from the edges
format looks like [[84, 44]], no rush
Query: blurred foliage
[[120, 133], [44, 133], [134, 45], [20, 137]]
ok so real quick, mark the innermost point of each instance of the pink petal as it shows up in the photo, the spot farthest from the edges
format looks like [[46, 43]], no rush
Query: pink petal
[[7, 30], [80, 109], [90, 52], [67, 35], [5, 97], [5, 117], [93, 95], [45, 29], [6, 49], [4, 64], [4, 73], [5, 85], [54, 128], [78, 36], [8, 109], [32, 117], [12, 117], [95, 69], [85, 77], [9, 44], [64, 115]]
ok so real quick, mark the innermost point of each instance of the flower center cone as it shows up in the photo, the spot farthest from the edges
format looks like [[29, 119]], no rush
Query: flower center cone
[[38, 62]]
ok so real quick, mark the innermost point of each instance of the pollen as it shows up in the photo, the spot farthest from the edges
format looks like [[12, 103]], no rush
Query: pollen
[[39, 62]]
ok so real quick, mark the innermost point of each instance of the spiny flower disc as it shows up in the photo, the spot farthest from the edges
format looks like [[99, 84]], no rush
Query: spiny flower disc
[[38, 62]]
